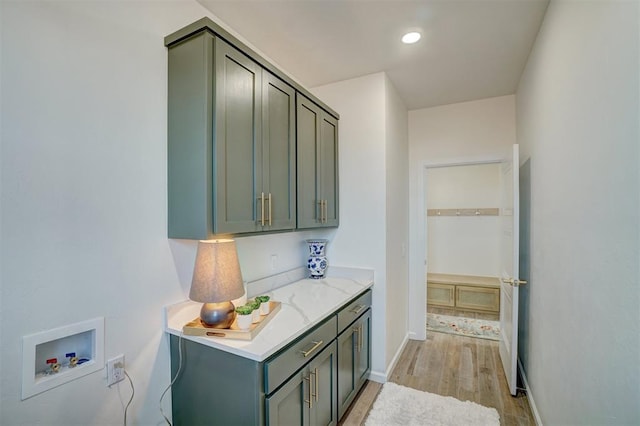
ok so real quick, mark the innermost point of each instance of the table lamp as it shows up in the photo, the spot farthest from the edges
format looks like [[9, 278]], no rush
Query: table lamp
[[216, 281]]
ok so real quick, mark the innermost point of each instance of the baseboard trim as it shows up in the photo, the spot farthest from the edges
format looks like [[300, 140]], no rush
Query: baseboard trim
[[380, 377], [532, 403]]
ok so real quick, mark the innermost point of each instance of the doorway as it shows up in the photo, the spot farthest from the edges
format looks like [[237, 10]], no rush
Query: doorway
[[463, 241]]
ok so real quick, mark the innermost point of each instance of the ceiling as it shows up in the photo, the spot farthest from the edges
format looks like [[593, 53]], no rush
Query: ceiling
[[470, 49]]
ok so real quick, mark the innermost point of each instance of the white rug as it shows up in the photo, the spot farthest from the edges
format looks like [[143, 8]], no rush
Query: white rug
[[400, 405]]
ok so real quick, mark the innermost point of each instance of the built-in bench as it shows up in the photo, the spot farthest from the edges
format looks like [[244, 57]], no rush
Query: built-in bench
[[467, 292]]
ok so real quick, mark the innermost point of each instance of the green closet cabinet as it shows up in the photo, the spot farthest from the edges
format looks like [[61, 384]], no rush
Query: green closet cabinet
[[231, 156], [317, 160]]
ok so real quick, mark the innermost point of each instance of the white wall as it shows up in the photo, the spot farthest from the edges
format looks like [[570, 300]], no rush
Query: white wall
[[468, 132], [372, 149], [397, 226], [467, 245], [83, 198], [578, 118], [360, 240]]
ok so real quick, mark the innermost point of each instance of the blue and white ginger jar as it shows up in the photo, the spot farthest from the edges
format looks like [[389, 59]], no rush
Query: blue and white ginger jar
[[317, 262]]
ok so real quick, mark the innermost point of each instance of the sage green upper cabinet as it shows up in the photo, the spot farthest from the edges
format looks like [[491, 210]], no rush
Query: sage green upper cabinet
[[231, 152], [232, 141], [255, 146], [279, 154], [317, 160], [237, 153]]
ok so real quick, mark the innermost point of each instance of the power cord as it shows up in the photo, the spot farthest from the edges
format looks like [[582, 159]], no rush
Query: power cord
[[133, 392], [172, 380]]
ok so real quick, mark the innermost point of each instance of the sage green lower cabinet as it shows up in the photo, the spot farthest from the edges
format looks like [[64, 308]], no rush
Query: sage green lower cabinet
[[214, 387], [354, 362], [311, 381], [309, 396]]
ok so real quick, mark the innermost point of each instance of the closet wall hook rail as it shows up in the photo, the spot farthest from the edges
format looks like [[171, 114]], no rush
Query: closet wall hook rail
[[484, 211]]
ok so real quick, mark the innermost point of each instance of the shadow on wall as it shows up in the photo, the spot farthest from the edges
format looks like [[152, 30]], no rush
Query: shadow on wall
[[525, 266]]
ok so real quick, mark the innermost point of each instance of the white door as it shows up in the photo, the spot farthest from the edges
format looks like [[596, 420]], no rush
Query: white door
[[510, 224]]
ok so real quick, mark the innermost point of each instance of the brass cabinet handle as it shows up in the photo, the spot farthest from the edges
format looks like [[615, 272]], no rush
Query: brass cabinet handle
[[320, 211], [326, 210], [358, 309], [360, 340], [309, 401], [262, 209], [356, 330], [269, 199], [315, 379], [316, 345]]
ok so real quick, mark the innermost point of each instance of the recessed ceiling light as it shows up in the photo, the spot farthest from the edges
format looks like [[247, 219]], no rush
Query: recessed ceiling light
[[411, 37]]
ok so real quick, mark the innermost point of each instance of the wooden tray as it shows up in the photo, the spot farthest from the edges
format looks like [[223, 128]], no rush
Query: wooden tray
[[195, 327]]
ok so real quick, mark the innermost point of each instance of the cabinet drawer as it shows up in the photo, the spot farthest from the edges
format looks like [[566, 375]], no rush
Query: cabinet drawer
[[353, 310], [478, 298], [440, 294], [278, 369]]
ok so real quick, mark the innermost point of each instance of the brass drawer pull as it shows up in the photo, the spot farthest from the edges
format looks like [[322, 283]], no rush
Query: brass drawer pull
[[316, 345], [358, 309]]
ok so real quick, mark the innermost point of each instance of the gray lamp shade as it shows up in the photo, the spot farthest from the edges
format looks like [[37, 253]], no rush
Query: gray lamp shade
[[216, 274]]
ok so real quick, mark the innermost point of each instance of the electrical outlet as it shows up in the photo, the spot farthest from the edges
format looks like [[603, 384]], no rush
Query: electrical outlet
[[115, 370]]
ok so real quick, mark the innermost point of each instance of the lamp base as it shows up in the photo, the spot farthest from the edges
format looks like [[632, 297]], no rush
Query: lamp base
[[217, 315]]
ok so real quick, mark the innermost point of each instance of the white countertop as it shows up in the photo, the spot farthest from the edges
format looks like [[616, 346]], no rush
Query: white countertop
[[305, 303]]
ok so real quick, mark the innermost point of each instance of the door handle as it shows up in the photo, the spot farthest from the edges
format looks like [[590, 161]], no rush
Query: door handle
[[514, 282], [269, 199]]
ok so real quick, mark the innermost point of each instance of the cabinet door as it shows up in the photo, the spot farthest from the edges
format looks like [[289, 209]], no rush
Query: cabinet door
[[309, 396], [441, 294], [329, 168], [308, 136], [290, 404], [323, 374], [317, 141], [237, 154], [190, 156], [279, 153], [363, 350], [354, 360], [346, 369]]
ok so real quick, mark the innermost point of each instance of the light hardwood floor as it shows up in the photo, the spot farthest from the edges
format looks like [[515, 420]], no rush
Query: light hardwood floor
[[466, 368]]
